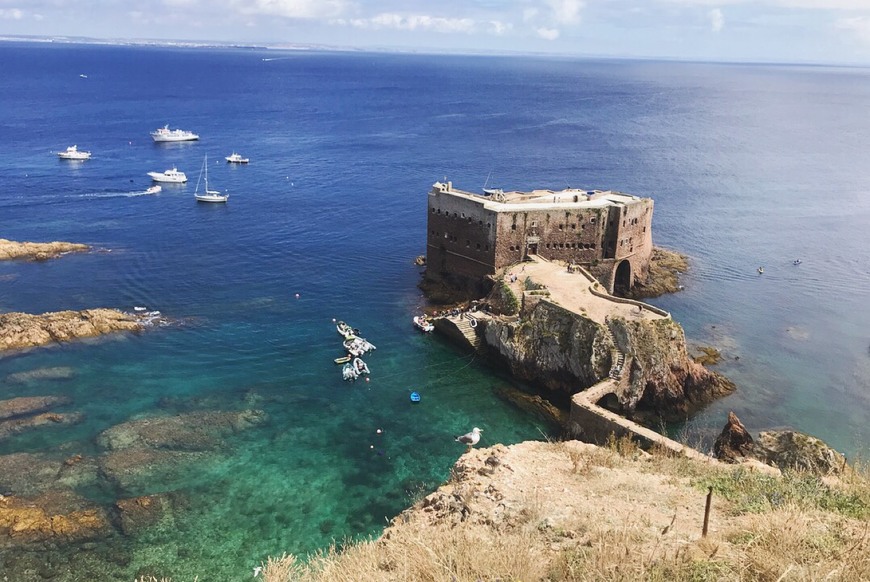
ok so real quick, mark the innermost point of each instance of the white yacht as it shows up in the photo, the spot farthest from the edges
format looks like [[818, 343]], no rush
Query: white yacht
[[166, 134], [235, 158], [172, 176], [74, 153]]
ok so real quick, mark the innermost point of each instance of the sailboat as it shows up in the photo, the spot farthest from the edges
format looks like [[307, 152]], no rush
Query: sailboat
[[208, 195], [491, 191]]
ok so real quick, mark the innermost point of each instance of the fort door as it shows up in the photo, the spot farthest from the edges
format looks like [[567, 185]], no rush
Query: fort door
[[533, 248]]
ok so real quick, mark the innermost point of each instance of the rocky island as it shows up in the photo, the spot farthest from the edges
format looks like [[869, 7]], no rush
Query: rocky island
[[11, 250]]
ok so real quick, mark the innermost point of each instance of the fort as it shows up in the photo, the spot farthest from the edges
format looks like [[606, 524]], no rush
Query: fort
[[472, 237]]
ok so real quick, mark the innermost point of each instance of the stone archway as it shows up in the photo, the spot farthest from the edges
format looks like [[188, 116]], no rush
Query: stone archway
[[622, 278]]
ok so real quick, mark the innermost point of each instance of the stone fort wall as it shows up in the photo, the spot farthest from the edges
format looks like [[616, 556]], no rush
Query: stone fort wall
[[469, 239]]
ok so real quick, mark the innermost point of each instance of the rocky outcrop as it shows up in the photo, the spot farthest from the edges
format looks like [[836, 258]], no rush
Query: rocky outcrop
[[788, 449], [24, 330], [735, 443], [10, 249], [784, 449], [567, 352], [665, 269], [15, 426]]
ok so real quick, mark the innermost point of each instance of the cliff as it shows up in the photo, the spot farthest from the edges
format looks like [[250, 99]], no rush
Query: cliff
[[10, 249], [566, 352]]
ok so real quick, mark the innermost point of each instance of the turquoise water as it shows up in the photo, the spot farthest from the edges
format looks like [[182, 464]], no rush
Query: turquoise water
[[748, 165]]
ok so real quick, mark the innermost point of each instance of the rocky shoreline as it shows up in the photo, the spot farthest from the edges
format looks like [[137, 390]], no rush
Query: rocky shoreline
[[12, 250], [23, 330]]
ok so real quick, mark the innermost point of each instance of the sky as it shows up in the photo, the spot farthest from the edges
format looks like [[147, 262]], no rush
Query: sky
[[799, 31]]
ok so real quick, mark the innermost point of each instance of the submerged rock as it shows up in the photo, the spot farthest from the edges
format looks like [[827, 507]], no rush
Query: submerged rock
[[195, 431], [17, 425], [55, 373], [55, 516], [29, 405], [23, 330], [138, 513], [33, 473], [142, 470], [10, 249]]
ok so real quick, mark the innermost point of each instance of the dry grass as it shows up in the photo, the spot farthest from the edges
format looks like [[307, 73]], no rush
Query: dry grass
[[566, 511]]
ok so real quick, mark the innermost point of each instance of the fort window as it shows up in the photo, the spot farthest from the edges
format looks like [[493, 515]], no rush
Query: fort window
[[560, 226], [463, 215], [514, 226], [433, 210], [467, 243], [488, 225], [479, 223], [534, 223], [478, 246], [445, 235], [592, 220], [486, 248]]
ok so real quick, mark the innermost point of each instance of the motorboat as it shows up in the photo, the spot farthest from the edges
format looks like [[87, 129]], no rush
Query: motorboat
[[342, 360], [423, 324], [155, 189], [360, 367], [74, 153], [348, 372], [760, 270], [164, 134], [207, 195], [346, 331], [172, 176], [357, 346], [235, 158]]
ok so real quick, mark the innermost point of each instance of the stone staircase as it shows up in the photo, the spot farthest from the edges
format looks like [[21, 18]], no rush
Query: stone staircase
[[616, 356], [467, 329]]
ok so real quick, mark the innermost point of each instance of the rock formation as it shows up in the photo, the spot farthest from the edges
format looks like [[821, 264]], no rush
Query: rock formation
[[785, 449], [567, 352], [10, 249], [39, 374], [20, 414], [664, 270], [735, 443], [23, 330], [55, 516]]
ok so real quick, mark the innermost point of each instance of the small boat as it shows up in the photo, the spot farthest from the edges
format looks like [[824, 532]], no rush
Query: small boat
[[358, 346], [172, 176], [165, 134], [760, 270], [348, 372], [207, 195], [415, 397], [360, 367], [342, 360], [155, 189], [74, 153], [235, 158], [423, 324], [796, 262], [346, 331]]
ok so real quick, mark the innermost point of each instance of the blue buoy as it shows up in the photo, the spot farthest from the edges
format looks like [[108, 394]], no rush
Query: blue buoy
[[415, 397]]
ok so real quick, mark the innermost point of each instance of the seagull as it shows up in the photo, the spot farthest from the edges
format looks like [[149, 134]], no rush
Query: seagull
[[471, 438]]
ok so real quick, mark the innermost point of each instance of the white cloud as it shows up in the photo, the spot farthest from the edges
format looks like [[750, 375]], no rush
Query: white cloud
[[11, 14], [717, 20], [858, 26], [304, 9], [566, 11], [414, 22], [861, 5], [529, 14], [498, 27], [547, 33]]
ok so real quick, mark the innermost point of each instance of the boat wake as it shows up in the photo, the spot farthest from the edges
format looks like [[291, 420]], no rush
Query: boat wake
[[115, 194]]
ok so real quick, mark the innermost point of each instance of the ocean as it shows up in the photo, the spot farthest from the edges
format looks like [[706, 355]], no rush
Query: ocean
[[749, 165]]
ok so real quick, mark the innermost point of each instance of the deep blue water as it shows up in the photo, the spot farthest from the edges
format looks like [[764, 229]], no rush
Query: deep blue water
[[748, 166]]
